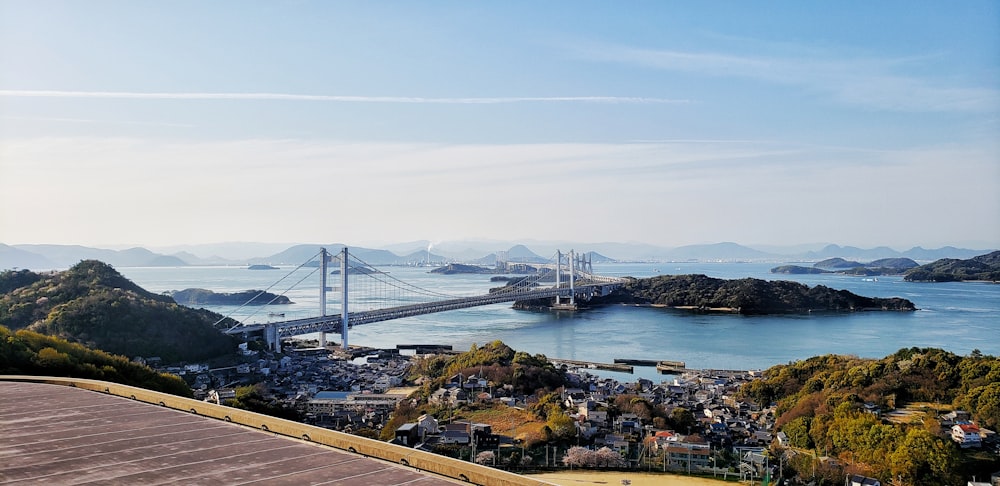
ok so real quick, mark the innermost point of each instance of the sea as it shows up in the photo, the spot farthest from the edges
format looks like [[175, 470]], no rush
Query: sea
[[959, 317]]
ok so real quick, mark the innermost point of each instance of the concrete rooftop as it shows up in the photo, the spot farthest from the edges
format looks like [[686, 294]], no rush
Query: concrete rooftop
[[53, 434]]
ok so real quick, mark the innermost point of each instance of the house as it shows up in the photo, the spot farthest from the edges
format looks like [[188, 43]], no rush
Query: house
[[685, 455], [408, 435], [857, 480], [427, 425], [460, 437], [966, 434], [599, 417], [782, 439], [449, 396]]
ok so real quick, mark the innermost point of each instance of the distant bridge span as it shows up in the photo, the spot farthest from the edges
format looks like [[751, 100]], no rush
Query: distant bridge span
[[586, 286]]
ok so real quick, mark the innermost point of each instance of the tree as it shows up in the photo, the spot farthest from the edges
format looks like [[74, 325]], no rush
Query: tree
[[922, 458], [486, 457], [562, 426], [578, 456], [605, 457], [682, 419], [798, 432]]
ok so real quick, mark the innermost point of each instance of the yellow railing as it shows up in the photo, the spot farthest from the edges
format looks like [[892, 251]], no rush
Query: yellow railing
[[425, 461]]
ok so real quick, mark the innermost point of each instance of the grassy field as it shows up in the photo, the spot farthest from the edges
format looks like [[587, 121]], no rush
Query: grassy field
[[614, 478], [512, 422]]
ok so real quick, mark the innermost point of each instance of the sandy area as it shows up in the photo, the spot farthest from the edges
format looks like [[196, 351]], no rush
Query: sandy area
[[614, 478]]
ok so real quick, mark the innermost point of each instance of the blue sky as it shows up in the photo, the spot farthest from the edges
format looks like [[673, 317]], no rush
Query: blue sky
[[669, 123]]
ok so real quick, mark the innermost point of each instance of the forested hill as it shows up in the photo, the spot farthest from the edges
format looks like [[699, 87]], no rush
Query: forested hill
[[983, 267], [746, 296], [94, 305], [821, 406]]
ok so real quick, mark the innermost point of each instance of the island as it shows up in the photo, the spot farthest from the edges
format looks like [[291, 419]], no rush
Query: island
[[884, 266], [261, 267], [191, 297], [980, 268], [457, 268], [747, 296]]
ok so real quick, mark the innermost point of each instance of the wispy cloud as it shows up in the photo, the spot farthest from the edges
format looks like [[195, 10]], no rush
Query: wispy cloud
[[879, 83], [332, 98], [95, 121]]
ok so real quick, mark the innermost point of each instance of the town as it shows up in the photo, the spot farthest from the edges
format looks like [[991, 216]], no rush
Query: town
[[711, 430]]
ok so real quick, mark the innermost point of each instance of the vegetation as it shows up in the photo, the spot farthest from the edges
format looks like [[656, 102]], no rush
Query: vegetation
[[93, 304], [837, 263], [457, 268], [884, 266], [497, 363], [797, 270], [247, 297], [30, 353], [983, 267], [820, 404], [746, 296], [253, 398]]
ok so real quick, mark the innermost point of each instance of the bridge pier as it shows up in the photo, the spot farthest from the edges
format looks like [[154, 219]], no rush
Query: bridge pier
[[271, 337]]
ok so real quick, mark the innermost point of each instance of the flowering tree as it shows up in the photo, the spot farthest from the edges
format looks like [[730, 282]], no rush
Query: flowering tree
[[605, 457], [583, 457], [578, 456], [485, 457]]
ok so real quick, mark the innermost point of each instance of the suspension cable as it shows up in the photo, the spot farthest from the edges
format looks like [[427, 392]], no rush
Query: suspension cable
[[262, 292]]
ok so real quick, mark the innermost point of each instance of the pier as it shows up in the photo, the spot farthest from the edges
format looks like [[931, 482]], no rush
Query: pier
[[624, 368], [637, 362], [425, 348], [671, 367]]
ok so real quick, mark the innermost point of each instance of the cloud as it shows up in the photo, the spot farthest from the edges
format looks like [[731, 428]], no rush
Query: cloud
[[332, 98], [871, 82], [676, 192]]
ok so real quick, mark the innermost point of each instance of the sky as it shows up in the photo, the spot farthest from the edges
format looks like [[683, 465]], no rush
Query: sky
[[662, 122]]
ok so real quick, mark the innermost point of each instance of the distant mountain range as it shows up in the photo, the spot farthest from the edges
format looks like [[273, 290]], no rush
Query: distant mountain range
[[46, 257]]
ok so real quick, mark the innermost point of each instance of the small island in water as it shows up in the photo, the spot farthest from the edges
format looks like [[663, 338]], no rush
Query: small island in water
[[748, 296], [261, 267], [191, 297]]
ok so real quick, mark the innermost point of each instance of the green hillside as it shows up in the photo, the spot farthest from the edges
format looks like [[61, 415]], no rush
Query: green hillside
[[94, 305], [821, 405], [29, 353]]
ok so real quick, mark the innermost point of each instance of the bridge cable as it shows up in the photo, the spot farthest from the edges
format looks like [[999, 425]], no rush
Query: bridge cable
[[262, 292]]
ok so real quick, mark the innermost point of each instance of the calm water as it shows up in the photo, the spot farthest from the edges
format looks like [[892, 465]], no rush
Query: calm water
[[958, 317]]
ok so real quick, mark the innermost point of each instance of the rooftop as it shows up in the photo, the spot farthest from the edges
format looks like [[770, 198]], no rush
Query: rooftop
[[59, 435]]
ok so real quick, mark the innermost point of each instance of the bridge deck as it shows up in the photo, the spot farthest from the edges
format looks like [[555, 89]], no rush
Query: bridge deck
[[332, 323]]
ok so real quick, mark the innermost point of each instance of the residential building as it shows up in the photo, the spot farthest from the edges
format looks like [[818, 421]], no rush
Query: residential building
[[966, 435]]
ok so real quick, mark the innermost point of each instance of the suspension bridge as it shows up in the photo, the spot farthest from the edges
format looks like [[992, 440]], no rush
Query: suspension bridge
[[369, 295]]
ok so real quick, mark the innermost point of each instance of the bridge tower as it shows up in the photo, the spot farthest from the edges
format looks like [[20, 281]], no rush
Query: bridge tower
[[571, 263], [324, 258], [343, 300]]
